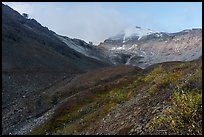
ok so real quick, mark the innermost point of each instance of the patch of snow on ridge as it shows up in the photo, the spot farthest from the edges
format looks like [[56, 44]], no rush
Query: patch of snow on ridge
[[143, 52], [118, 48], [152, 53], [159, 35], [133, 46], [133, 31], [136, 31]]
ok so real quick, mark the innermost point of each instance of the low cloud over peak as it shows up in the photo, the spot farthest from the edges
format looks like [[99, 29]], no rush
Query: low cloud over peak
[[98, 21]]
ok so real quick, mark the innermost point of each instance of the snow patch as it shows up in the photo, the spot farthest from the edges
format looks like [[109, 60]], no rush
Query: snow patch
[[159, 35], [119, 48], [133, 46], [136, 31], [143, 52], [133, 31]]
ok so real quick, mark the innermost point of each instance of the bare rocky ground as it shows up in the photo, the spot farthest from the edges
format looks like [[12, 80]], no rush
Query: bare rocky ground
[[28, 102], [33, 60], [68, 91]]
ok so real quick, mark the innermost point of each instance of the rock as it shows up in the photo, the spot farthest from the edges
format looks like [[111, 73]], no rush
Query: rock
[[122, 123], [139, 128], [118, 114]]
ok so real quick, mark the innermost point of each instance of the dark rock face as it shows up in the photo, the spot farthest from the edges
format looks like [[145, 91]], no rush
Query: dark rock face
[[33, 59]]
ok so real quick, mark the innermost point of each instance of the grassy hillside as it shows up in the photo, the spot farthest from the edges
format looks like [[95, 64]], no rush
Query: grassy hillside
[[164, 99]]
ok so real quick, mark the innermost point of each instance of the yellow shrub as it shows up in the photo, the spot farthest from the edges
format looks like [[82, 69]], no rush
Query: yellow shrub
[[183, 117]]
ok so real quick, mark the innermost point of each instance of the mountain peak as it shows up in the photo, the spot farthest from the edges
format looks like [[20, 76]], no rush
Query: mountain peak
[[136, 31], [132, 31]]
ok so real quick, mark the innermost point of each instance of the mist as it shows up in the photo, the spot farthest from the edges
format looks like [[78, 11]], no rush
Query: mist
[[96, 22], [89, 23]]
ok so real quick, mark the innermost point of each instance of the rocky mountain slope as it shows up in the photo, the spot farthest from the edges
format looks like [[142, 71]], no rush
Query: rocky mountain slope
[[33, 59], [167, 100], [143, 47], [163, 99], [53, 84], [86, 49], [66, 95]]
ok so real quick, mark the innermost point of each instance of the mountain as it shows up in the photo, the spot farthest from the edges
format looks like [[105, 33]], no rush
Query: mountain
[[86, 49], [138, 82], [33, 59], [132, 33], [144, 47]]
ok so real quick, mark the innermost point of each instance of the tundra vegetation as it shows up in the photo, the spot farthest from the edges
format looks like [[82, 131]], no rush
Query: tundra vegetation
[[182, 114]]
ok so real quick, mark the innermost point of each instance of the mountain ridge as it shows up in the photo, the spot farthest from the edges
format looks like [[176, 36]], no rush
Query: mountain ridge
[[53, 84], [33, 59], [155, 48]]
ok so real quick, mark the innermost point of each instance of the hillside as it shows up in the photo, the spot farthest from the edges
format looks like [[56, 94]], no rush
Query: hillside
[[139, 82], [33, 59], [159, 100]]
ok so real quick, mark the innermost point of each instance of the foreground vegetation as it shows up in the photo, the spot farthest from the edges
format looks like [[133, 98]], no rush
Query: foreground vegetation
[[182, 114]]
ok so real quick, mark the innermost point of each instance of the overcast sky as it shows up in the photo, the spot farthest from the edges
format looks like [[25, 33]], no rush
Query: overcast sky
[[97, 21]]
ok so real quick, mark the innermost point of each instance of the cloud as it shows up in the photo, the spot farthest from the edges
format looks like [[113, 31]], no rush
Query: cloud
[[89, 23], [98, 21]]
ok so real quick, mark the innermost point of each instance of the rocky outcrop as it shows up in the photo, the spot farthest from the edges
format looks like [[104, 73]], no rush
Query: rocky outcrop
[[155, 48]]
